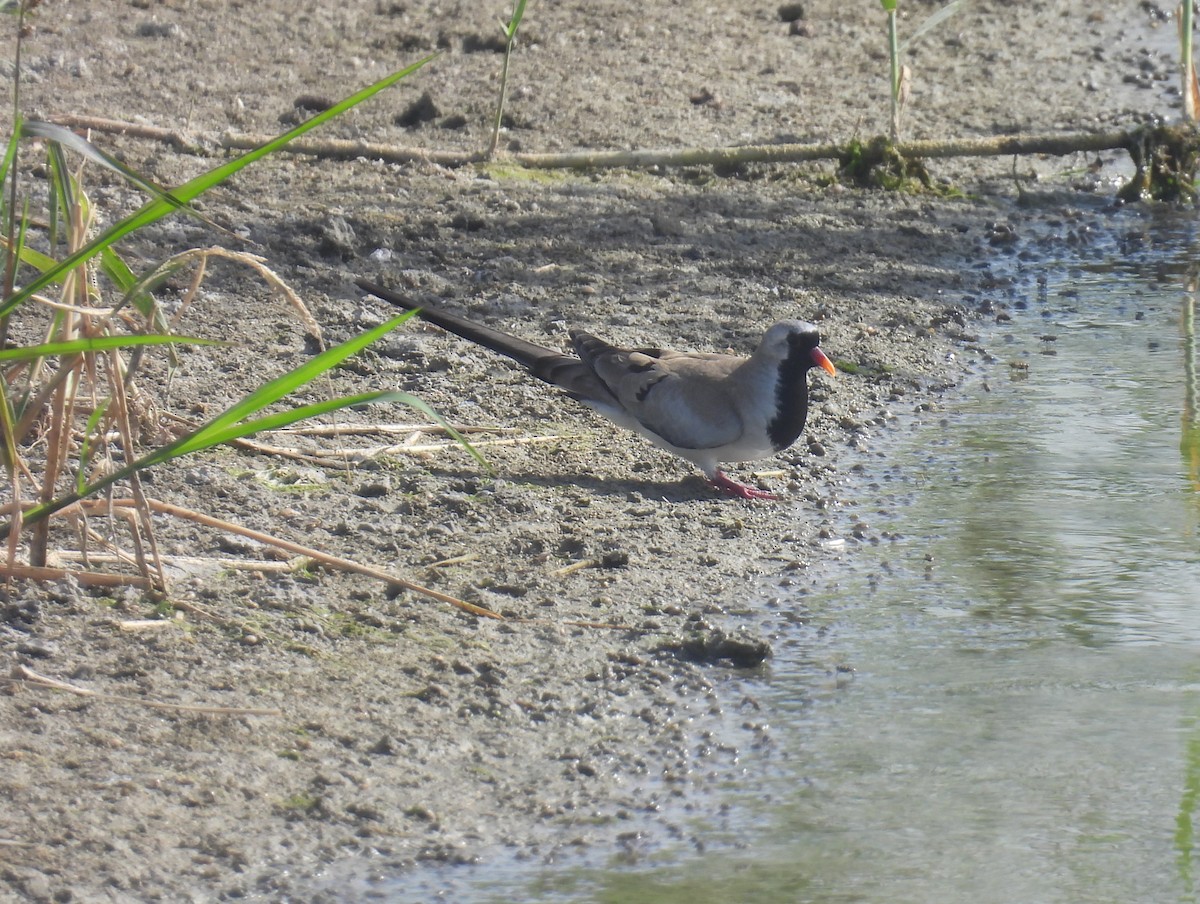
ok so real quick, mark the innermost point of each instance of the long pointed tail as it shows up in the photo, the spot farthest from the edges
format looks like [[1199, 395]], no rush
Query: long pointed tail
[[535, 357]]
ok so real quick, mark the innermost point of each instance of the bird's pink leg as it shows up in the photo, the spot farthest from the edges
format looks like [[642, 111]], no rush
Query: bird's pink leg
[[727, 484]]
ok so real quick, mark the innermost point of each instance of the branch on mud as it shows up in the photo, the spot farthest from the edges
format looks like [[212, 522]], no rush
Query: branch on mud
[[315, 555], [9, 570], [1061, 144], [1166, 150]]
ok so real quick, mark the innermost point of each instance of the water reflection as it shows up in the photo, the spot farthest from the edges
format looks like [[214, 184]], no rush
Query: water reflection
[[1065, 503], [1189, 441]]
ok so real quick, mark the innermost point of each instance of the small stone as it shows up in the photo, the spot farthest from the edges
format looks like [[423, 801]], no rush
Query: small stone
[[616, 558], [433, 693], [36, 886], [385, 746], [422, 110], [338, 239], [713, 646], [373, 489], [35, 649], [156, 29], [791, 12], [313, 103]]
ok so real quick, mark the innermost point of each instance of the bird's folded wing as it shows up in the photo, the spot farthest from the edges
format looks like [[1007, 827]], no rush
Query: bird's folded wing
[[678, 397], [576, 379]]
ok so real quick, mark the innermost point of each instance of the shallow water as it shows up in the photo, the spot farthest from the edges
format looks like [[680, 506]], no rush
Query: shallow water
[[1022, 722]]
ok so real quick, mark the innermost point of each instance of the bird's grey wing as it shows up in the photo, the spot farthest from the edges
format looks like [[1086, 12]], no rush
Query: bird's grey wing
[[678, 396], [576, 379]]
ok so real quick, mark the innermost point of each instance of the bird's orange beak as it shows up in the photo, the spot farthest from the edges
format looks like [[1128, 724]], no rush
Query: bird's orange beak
[[822, 361]]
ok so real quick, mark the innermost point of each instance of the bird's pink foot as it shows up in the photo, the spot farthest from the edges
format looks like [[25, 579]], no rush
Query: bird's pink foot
[[727, 484]]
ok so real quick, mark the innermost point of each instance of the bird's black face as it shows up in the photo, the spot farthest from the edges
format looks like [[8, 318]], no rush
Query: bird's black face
[[804, 345], [798, 346]]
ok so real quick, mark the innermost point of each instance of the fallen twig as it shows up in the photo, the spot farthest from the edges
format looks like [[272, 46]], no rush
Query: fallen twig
[[85, 578], [315, 555], [21, 673], [346, 460], [1003, 146], [183, 563], [346, 429], [134, 625], [412, 448], [576, 566], [454, 560]]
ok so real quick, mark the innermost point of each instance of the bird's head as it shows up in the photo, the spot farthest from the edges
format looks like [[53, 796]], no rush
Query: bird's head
[[798, 341]]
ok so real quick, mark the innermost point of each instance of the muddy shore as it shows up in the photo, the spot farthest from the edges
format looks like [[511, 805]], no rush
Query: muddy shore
[[600, 709]]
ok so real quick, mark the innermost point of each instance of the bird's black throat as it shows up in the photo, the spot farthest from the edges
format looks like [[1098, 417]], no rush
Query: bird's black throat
[[791, 398]]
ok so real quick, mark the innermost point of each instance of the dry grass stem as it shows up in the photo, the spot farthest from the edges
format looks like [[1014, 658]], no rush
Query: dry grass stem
[[321, 558], [28, 676], [345, 462], [345, 459], [183, 563], [425, 448], [137, 625], [71, 308], [346, 429], [200, 257], [455, 560], [45, 573], [575, 566]]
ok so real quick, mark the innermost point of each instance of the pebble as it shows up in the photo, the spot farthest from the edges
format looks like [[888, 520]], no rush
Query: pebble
[[36, 649], [156, 29]]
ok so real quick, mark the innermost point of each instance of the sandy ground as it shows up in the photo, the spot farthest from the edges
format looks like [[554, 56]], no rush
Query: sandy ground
[[404, 729]]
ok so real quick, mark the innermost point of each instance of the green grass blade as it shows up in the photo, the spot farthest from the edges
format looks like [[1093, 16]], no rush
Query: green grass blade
[[10, 151], [158, 208], [96, 344], [33, 257], [60, 137], [19, 247], [226, 426], [116, 269], [62, 185], [271, 392], [933, 21], [280, 419], [14, 244], [514, 23], [126, 282]]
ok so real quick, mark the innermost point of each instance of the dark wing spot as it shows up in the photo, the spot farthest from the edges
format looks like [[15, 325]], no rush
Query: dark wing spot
[[645, 390]]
